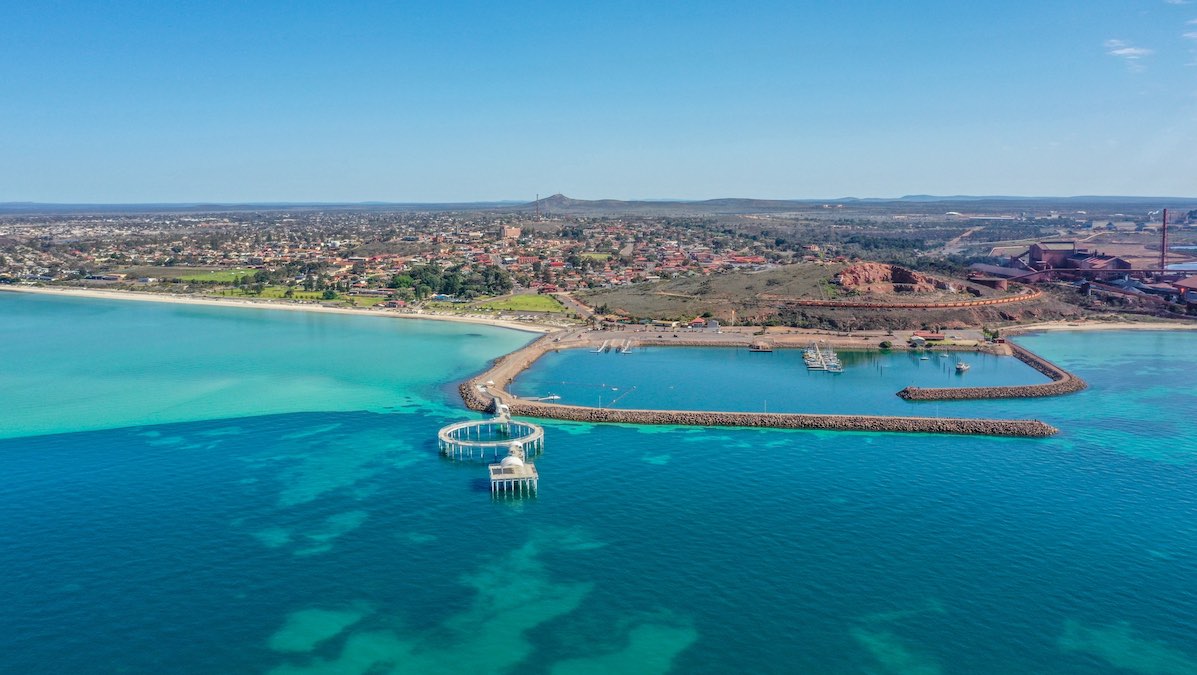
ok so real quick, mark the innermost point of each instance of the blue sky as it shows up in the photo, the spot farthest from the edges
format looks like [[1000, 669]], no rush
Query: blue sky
[[458, 101]]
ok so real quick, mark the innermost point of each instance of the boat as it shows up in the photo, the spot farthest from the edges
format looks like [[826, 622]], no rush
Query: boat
[[961, 366], [924, 358], [818, 358]]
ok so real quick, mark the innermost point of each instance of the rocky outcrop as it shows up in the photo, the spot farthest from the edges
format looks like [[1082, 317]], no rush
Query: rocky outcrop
[[886, 279]]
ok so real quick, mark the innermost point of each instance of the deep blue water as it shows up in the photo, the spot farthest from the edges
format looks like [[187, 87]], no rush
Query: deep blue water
[[339, 541]]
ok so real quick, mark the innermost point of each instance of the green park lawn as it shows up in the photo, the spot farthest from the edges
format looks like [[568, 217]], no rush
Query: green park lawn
[[525, 303], [272, 292], [200, 274], [218, 276], [363, 300]]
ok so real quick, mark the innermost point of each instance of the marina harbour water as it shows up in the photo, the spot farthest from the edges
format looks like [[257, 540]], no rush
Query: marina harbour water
[[233, 536], [737, 379]]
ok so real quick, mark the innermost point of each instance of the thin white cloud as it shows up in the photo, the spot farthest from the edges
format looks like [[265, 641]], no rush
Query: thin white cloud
[[1178, 2], [1125, 50], [1191, 35]]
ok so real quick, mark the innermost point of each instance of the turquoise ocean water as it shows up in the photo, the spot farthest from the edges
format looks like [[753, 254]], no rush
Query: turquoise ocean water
[[224, 490]]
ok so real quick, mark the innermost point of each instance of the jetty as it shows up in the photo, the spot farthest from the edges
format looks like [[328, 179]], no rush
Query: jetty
[[476, 439], [513, 473], [818, 359], [480, 438]]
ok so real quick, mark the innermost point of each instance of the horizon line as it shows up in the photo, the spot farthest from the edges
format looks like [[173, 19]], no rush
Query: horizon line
[[518, 202]]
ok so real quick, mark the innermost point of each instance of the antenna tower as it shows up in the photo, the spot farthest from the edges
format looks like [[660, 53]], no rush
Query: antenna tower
[[1164, 243]]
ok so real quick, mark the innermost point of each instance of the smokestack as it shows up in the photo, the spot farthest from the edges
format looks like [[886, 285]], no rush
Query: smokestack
[[1164, 243]]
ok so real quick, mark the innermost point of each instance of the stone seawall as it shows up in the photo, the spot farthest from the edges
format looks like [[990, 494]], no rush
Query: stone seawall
[[478, 399], [1063, 382]]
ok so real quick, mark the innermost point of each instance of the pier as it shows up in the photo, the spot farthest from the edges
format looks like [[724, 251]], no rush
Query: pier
[[483, 438], [514, 474], [817, 359]]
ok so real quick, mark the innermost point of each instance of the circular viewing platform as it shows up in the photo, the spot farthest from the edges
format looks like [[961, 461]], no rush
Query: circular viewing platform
[[489, 438]]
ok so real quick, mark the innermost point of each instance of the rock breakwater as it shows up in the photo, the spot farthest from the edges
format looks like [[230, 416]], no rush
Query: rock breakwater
[[1063, 382], [479, 397]]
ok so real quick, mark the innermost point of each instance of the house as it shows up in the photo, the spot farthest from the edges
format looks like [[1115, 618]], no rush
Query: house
[[1187, 288]]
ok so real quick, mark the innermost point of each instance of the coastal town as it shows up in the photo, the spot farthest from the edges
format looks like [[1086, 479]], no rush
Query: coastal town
[[673, 338], [354, 251], [614, 264]]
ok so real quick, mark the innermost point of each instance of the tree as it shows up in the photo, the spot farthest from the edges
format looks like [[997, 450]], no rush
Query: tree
[[329, 294]]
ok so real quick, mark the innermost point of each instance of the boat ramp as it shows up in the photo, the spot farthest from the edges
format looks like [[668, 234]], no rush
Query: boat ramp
[[621, 346]]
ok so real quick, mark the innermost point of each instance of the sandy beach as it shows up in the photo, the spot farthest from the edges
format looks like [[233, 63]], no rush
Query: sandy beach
[[268, 304], [1099, 325], [777, 336]]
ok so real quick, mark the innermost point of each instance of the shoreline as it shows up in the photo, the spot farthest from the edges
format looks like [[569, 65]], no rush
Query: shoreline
[[1096, 325], [148, 296]]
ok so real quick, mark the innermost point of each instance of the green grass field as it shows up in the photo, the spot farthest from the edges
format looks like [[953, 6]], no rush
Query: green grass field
[[364, 300], [273, 292], [219, 276], [189, 273], [525, 303], [596, 256]]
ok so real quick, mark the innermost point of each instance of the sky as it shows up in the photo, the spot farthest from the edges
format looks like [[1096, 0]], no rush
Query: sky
[[310, 101]]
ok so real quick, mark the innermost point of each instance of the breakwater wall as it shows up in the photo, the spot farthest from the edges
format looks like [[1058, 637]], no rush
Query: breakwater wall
[[479, 398], [1063, 382]]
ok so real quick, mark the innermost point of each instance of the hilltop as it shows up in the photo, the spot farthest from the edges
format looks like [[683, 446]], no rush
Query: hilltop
[[774, 297]]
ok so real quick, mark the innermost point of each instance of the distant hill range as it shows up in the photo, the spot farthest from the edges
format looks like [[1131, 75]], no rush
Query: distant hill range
[[967, 204], [561, 205]]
